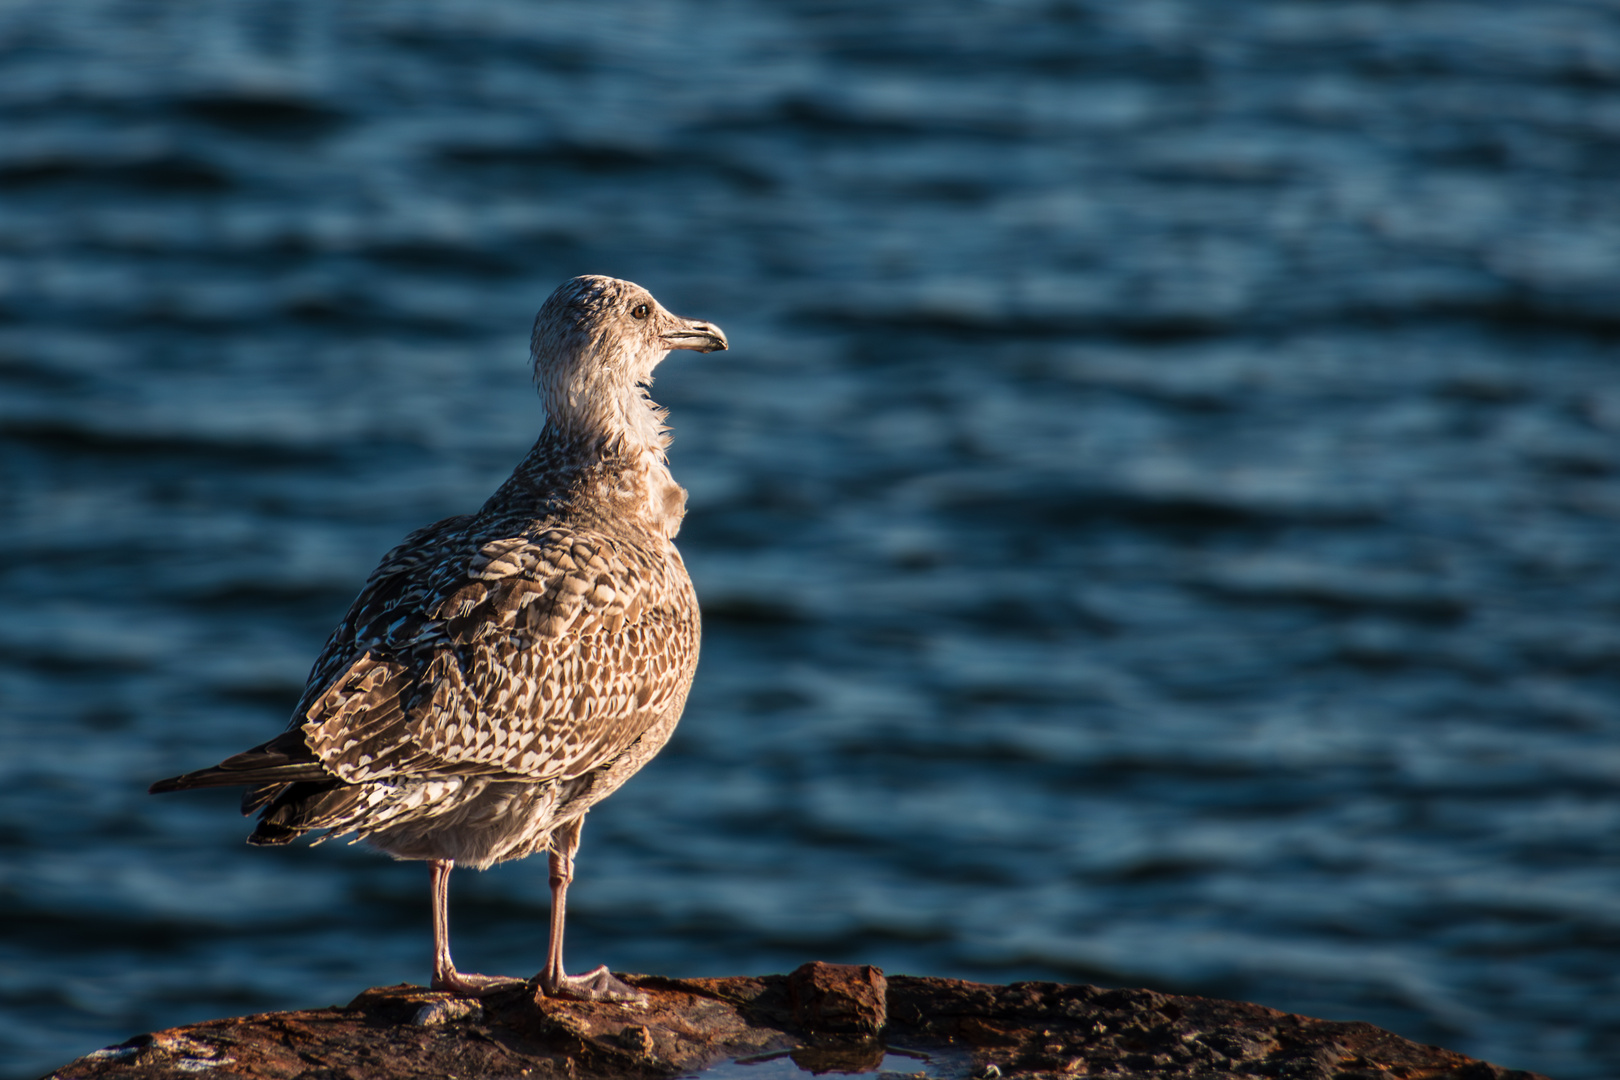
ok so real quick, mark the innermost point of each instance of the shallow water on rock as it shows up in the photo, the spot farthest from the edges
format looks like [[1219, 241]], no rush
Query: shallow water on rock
[[1155, 525], [878, 1061]]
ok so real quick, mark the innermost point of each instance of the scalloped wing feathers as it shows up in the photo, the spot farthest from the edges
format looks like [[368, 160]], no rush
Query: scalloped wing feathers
[[545, 657]]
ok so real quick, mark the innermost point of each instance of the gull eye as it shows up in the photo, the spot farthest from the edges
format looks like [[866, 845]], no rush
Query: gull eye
[[640, 311]]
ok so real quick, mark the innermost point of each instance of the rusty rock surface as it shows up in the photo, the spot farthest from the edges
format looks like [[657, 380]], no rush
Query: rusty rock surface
[[838, 999], [824, 1018]]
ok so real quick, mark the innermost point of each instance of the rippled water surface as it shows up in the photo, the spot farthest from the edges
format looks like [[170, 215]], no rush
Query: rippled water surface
[[1156, 524]]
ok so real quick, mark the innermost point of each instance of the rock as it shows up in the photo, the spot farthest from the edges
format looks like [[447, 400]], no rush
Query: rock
[[828, 1018], [839, 999]]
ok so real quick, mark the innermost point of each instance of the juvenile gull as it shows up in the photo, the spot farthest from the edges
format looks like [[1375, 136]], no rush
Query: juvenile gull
[[504, 671]]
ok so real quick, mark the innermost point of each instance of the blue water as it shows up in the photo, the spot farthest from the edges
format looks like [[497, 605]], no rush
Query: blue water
[[1156, 524]]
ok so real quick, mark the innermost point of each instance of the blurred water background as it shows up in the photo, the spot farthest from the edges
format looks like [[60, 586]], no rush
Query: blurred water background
[[1156, 524]]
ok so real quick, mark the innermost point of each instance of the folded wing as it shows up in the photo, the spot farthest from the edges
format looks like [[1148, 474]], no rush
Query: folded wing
[[535, 657]]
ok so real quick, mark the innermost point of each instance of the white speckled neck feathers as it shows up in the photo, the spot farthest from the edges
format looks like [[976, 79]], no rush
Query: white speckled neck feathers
[[594, 402]]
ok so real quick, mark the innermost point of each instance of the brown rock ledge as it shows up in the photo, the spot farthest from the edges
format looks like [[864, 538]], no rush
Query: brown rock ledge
[[827, 1018]]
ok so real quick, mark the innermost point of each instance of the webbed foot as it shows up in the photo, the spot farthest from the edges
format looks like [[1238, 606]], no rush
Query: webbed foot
[[454, 982], [598, 985]]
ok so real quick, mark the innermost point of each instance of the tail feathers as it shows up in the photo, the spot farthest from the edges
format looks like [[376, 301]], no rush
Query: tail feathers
[[269, 835], [285, 780], [259, 796], [283, 760], [307, 807]]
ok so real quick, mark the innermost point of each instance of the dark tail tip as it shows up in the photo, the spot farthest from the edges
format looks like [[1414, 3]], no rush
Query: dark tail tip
[[269, 834], [162, 787]]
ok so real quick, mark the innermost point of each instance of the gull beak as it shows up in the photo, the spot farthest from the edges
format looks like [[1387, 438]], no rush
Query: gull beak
[[691, 334]]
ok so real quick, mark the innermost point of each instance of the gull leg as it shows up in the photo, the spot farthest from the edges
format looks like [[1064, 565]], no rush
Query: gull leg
[[598, 985], [445, 975]]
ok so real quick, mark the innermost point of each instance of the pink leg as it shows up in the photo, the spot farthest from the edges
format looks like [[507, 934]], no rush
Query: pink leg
[[445, 975], [598, 985]]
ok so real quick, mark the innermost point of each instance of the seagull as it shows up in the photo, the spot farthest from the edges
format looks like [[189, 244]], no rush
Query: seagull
[[502, 672]]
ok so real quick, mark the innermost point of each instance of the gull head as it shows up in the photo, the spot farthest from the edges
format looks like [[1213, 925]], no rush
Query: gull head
[[595, 344]]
